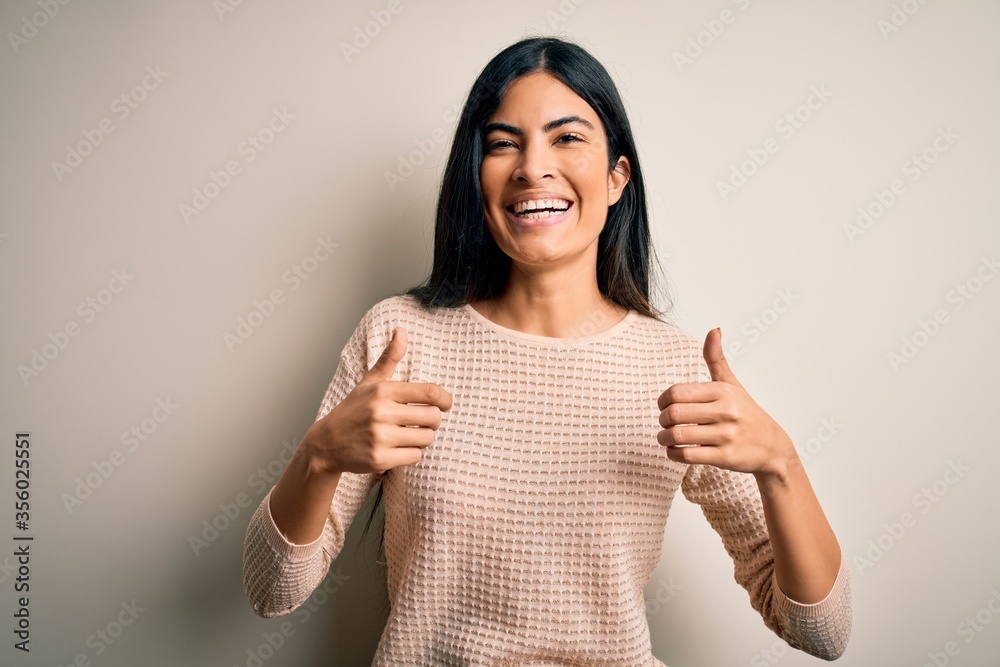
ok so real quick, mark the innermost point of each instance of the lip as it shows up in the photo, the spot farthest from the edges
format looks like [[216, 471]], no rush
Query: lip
[[538, 195], [547, 221], [541, 194]]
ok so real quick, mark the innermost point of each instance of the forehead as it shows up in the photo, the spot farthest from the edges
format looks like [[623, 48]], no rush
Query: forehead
[[537, 98]]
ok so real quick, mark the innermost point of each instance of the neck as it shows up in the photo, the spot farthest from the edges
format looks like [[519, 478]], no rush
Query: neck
[[567, 306]]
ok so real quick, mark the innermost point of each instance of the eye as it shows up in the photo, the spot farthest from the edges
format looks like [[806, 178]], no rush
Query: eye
[[570, 137], [499, 143]]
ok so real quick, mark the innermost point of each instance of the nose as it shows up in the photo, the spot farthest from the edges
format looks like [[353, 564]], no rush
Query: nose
[[535, 163]]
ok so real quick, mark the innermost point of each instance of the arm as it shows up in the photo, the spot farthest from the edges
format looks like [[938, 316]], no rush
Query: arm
[[363, 430], [300, 501], [278, 574], [300, 526], [732, 504], [754, 491], [807, 555]]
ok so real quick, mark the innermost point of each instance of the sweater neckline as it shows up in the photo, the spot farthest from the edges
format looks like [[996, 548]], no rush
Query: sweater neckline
[[610, 332]]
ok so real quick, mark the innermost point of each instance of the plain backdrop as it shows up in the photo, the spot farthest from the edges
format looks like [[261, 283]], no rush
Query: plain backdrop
[[822, 184]]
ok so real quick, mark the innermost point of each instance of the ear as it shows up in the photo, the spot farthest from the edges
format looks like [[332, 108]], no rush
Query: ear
[[618, 179]]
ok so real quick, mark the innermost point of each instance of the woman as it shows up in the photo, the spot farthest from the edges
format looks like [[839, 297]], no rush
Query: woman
[[548, 415]]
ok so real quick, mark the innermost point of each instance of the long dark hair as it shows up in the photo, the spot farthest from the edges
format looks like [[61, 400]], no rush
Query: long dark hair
[[468, 264]]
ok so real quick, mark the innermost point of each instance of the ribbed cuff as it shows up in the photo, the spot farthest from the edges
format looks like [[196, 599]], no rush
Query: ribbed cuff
[[826, 607], [289, 551]]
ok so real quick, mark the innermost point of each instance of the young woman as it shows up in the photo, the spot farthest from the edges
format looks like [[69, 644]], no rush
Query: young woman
[[530, 417]]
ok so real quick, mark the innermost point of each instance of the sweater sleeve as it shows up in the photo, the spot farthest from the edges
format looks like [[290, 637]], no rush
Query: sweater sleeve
[[278, 575], [732, 505]]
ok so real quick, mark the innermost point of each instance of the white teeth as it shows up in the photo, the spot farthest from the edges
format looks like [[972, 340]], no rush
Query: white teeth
[[533, 204], [540, 214]]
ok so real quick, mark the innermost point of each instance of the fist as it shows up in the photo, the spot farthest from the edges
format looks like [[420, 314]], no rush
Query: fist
[[718, 423], [381, 424]]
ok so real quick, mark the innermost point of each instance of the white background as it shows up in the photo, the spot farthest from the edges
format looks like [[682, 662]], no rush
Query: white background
[[356, 118]]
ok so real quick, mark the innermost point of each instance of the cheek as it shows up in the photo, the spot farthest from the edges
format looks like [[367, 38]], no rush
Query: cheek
[[491, 182], [588, 176], [594, 192]]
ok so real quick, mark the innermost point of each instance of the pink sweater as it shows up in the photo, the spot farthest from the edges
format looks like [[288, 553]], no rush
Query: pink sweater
[[528, 530]]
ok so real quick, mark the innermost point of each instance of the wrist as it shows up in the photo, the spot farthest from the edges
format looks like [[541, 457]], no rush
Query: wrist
[[315, 463], [781, 470]]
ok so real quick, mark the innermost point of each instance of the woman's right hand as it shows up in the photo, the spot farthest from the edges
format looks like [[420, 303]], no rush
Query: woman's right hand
[[371, 430]]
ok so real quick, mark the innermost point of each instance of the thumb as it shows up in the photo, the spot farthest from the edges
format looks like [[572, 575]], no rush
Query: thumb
[[718, 367], [386, 364]]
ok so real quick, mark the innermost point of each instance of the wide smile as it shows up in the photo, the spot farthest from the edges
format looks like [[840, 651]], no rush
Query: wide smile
[[540, 217]]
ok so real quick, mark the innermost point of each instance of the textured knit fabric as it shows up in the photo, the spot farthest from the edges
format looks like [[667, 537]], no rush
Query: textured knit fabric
[[527, 532]]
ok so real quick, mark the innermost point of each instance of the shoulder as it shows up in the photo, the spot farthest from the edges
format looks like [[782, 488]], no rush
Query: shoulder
[[425, 327], [671, 345], [663, 332], [403, 309], [667, 330]]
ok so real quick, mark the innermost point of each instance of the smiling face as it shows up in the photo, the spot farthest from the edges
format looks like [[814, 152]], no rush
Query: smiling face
[[545, 180]]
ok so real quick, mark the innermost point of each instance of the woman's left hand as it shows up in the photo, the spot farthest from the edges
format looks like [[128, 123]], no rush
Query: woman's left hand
[[732, 430]]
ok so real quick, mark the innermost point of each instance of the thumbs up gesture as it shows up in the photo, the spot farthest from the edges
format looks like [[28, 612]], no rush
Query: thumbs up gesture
[[730, 429], [371, 430]]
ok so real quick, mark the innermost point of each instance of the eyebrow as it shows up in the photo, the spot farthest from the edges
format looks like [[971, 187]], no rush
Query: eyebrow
[[548, 127]]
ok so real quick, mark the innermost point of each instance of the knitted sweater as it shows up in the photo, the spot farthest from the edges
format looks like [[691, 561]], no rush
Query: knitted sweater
[[527, 532]]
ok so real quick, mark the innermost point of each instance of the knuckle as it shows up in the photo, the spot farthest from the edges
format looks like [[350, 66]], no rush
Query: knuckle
[[439, 397], [378, 461], [729, 432], [674, 412], [378, 412], [734, 413], [679, 454], [376, 436]]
